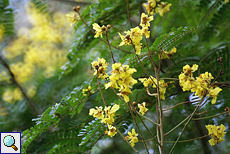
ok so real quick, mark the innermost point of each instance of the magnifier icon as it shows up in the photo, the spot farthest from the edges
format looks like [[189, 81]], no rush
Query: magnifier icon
[[9, 141]]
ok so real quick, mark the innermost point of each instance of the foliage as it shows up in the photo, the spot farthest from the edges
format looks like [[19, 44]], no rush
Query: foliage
[[198, 29]]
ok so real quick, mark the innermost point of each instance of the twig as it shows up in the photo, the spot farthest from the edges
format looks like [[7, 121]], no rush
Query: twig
[[197, 138], [99, 37], [211, 116], [127, 8], [131, 111], [99, 85], [106, 34]]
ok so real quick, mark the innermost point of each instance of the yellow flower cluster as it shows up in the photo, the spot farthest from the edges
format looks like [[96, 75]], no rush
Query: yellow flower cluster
[[151, 81], [121, 78], [107, 118], [167, 55], [142, 108], [41, 49], [132, 137], [11, 96], [134, 35], [217, 133], [159, 7], [99, 30], [100, 66], [73, 18], [201, 85], [87, 91]]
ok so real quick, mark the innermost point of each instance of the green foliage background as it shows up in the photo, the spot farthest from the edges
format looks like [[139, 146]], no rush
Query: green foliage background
[[200, 29]]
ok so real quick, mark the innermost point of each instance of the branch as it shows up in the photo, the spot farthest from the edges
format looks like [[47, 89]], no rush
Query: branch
[[29, 101]]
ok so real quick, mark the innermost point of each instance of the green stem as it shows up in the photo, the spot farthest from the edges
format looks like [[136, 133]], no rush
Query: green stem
[[114, 61], [211, 116], [177, 125], [147, 129], [186, 124], [147, 119], [197, 138], [99, 85], [131, 111]]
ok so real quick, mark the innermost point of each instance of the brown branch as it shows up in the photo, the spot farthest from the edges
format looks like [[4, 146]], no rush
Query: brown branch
[[28, 100]]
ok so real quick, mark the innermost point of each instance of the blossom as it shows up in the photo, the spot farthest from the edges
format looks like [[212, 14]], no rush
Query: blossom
[[99, 30], [148, 82], [87, 91], [98, 113], [100, 66], [167, 55], [186, 79], [213, 92], [132, 37], [121, 78], [151, 81], [150, 6], [145, 20], [162, 88], [112, 131], [226, 1], [162, 8], [217, 133], [201, 86], [109, 114], [146, 32], [132, 137], [73, 18], [142, 108]]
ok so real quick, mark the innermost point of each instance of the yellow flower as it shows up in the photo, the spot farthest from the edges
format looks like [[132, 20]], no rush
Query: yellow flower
[[99, 30], [124, 92], [142, 108], [167, 55], [98, 113], [186, 79], [217, 133], [146, 32], [73, 18], [145, 20], [226, 1], [100, 66], [121, 78], [112, 130], [151, 81], [150, 6], [201, 86], [132, 137], [162, 8], [162, 89], [148, 82], [109, 114], [132, 37], [213, 92], [87, 91]]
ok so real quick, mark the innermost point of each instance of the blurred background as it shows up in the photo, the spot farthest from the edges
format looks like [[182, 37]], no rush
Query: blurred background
[[35, 39]]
